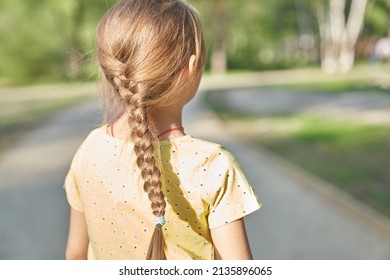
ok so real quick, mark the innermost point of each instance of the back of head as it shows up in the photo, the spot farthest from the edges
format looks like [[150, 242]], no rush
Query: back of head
[[143, 46]]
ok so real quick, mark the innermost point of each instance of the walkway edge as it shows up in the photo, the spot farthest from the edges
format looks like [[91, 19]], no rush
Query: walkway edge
[[328, 191]]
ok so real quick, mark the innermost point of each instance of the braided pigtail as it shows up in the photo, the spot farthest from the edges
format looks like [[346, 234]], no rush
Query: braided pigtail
[[144, 147]]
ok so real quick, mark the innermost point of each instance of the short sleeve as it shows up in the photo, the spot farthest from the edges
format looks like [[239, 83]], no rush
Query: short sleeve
[[231, 197], [71, 184]]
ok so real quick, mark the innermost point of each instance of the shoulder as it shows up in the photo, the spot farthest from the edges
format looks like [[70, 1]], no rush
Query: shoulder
[[93, 140], [216, 153], [204, 146], [97, 136]]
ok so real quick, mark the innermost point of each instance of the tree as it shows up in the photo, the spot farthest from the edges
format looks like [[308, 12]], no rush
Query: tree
[[340, 27], [377, 19], [74, 21], [232, 31], [48, 39], [217, 23]]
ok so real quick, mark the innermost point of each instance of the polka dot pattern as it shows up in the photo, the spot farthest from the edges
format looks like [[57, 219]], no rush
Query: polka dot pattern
[[202, 182]]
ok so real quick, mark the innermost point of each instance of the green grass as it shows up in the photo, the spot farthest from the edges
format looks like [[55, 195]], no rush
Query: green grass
[[338, 86], [363, 77], [352, 156]]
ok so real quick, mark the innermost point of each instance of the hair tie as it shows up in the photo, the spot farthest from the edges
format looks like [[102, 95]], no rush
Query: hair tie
[[159, 221]]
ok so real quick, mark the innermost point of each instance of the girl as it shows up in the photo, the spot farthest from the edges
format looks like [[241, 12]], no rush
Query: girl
[[139, 188]]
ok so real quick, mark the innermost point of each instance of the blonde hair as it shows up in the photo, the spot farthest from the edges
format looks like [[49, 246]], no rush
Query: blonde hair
[[143, 46]]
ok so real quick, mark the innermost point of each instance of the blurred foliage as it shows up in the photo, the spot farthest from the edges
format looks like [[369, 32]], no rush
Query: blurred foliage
[[377, 19], [50, 40], [45, 40]]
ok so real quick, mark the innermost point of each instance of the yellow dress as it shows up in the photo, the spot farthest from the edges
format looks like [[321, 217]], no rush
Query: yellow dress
[[203, 185]]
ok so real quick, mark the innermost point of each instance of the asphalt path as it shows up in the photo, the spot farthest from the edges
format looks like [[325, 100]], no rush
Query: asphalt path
[[296, 221]]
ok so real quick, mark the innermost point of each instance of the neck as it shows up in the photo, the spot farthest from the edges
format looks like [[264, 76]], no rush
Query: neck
[[167, 118], [162, 119]]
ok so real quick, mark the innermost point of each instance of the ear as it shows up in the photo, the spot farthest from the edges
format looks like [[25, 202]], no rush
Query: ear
[[191, 63]]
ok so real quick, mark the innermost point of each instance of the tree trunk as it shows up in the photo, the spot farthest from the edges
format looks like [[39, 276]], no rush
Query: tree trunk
[[346, 57], [74, 64], [71, 36], [218, 61], [76, 57], [338, 38], [221, 27]]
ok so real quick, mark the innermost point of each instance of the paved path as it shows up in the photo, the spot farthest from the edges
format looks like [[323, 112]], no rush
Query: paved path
[[296, 221], [33, 209], [364, 107]]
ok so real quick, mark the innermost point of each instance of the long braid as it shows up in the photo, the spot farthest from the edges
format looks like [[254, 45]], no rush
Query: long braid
[[144, 147]]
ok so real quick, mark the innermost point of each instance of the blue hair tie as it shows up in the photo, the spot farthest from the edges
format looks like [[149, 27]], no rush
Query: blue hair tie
[[159, 220]]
